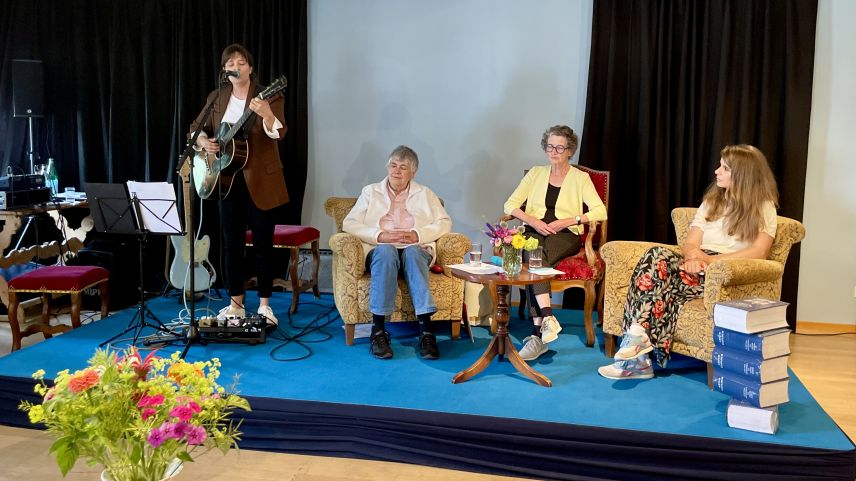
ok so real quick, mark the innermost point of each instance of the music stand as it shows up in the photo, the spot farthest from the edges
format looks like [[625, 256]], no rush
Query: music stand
[[114, 211]]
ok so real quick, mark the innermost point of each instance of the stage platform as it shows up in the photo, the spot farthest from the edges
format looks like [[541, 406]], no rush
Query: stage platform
[[312, 394]]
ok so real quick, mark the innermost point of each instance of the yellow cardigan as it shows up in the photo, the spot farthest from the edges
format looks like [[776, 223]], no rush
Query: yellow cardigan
[[576, 189]]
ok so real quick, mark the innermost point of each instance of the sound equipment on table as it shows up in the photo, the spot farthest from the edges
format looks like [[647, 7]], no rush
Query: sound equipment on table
[[214, 173], [23, 190]]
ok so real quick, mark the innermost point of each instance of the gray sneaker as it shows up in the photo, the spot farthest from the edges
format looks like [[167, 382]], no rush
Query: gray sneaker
[[533, 347], [550, 329]]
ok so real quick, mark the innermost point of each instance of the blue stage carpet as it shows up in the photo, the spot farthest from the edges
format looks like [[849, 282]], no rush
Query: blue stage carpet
[[318, 375]]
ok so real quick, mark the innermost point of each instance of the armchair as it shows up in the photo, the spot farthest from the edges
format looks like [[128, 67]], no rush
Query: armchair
[[724, 280], [351, 281]]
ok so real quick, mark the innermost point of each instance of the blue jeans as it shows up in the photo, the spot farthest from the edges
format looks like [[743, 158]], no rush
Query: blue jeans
[[384, 262]]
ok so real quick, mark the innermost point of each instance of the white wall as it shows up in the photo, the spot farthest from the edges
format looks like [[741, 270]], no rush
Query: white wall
[[469, 84], [828, 256]]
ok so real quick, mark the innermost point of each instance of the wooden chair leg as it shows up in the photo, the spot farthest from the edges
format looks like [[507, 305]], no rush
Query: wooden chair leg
[[45, 327], [588, 306], [104, 290], [456, 329], [295, 281], [600, 289], [316, 256], [75, 309], [13, 320], [608, 345], [710, 376]]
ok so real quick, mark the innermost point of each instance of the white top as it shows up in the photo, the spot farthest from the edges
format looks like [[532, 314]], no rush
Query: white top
[[716, 238], [235, 110]]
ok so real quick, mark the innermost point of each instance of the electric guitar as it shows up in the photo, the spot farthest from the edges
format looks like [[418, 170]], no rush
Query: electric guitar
[[179, 271], [213, 173]]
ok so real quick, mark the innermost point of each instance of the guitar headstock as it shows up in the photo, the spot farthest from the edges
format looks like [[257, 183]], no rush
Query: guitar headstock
[[274, 88]]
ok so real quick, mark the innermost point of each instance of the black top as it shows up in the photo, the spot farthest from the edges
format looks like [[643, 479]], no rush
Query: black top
[[550, 201]]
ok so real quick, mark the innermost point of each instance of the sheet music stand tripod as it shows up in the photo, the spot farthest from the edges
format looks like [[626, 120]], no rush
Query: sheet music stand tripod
[[114, 211]]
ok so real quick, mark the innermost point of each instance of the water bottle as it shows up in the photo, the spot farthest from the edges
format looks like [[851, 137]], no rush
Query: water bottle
[[51, 179]]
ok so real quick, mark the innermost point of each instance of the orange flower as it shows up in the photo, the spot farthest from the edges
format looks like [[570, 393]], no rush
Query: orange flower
[[83, 381], [644, 282], [177, 372]]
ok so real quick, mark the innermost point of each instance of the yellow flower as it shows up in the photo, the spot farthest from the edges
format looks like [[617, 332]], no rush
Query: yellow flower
[[518, 241], [36, 413], [531, 244]]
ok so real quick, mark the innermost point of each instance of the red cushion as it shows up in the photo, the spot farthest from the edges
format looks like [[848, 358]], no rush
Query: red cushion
[[59, 279], [576, 267], [290, 235]]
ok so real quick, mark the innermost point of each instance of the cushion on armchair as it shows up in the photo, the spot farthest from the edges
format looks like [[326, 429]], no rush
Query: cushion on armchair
[[577, 267]]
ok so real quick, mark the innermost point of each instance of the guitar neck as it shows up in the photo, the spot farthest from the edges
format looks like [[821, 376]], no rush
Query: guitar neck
[[237, 126], [185, 173]]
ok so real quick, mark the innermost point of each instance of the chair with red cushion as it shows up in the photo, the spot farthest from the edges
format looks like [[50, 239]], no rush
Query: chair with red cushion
[[292, 237], [50, 280], [585, 269]]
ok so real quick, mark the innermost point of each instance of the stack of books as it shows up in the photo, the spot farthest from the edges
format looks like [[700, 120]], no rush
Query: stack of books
[[750, 361]]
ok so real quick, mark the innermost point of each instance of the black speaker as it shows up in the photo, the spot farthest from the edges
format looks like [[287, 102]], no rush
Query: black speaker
[[28, 88]]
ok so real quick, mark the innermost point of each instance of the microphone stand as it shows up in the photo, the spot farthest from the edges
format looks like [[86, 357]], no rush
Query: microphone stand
[[191, 336]]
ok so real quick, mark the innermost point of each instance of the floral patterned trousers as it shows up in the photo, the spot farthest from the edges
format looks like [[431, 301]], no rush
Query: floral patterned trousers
[[658, 289]]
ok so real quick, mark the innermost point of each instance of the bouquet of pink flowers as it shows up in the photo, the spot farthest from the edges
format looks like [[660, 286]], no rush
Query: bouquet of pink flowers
[[139, 418], [503, 235]]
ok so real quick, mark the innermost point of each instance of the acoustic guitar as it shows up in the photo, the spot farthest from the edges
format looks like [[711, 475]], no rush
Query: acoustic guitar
[[179, 271], [213, 173]]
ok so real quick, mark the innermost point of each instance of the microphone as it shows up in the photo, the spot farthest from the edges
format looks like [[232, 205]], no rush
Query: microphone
[[231, 73]]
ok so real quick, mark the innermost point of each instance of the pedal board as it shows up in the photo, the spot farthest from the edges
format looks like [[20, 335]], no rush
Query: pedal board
[[250, 330]]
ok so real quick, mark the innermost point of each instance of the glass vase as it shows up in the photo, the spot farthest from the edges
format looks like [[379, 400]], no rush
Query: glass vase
[[512, 260]]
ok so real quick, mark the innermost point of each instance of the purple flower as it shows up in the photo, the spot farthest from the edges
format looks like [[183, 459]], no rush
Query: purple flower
[[156, 437], [196, 435], [169, 430], [181, 430]]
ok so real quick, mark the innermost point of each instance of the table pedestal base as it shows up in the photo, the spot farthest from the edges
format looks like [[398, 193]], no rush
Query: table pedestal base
[[501, 345]]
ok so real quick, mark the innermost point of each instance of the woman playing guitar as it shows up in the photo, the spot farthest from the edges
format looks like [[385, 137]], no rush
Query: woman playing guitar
[[251, 183]]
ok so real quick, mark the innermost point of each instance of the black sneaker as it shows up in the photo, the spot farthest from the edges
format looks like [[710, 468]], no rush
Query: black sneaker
[[380, 345], [428, 346]]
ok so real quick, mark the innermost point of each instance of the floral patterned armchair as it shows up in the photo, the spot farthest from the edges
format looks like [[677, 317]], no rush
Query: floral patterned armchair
[[724, 280], [351, 281]]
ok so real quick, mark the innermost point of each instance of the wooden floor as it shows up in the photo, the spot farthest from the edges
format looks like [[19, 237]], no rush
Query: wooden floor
[[825, 364]]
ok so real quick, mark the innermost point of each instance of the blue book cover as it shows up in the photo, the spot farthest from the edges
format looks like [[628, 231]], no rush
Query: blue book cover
[[755, 393], [750, 365], [767, 344]]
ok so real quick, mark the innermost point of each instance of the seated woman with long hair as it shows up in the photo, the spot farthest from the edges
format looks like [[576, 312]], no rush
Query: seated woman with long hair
[[736, 220]]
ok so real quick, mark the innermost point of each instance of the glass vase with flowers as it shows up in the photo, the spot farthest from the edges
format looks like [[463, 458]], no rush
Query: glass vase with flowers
[[511, 242], [139, 418]]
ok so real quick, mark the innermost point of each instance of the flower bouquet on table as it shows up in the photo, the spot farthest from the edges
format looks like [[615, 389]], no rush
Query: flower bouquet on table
[[511, 242], [139, 418]]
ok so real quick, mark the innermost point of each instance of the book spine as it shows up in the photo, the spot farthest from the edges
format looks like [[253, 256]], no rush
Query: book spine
[[736, 362], [738, 341], [737, 387]]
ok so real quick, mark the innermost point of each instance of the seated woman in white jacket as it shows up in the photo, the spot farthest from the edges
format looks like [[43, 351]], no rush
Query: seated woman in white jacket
[[398, 222]]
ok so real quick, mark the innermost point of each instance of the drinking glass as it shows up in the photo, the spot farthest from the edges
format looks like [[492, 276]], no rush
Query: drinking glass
[[535, 257], [475, 253]]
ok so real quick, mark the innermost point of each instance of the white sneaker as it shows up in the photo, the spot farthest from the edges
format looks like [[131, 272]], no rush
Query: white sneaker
[[532, 348], [550, 329], [635, 369], [267, 312], [230, 312], [634, 344]]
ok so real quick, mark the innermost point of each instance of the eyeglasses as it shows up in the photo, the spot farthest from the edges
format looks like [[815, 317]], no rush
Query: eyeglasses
[[558, 148]]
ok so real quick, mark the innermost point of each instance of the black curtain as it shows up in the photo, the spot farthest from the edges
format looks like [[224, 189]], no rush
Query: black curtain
[[671, 83], [123, 81]]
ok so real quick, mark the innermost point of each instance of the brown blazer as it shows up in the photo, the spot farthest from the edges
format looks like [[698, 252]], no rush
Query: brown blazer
[[263, 172]]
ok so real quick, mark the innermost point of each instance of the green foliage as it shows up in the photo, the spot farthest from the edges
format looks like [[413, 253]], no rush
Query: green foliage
[[136, 416]]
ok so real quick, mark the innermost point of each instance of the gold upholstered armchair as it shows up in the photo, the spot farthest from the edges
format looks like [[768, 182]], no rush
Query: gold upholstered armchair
[[724, 280], [351, 281]]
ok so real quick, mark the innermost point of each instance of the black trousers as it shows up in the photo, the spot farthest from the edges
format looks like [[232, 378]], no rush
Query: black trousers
[[556, 247], [237, 214]]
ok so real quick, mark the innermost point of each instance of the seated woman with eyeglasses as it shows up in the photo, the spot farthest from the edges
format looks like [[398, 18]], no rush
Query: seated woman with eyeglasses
[[554, 195]]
